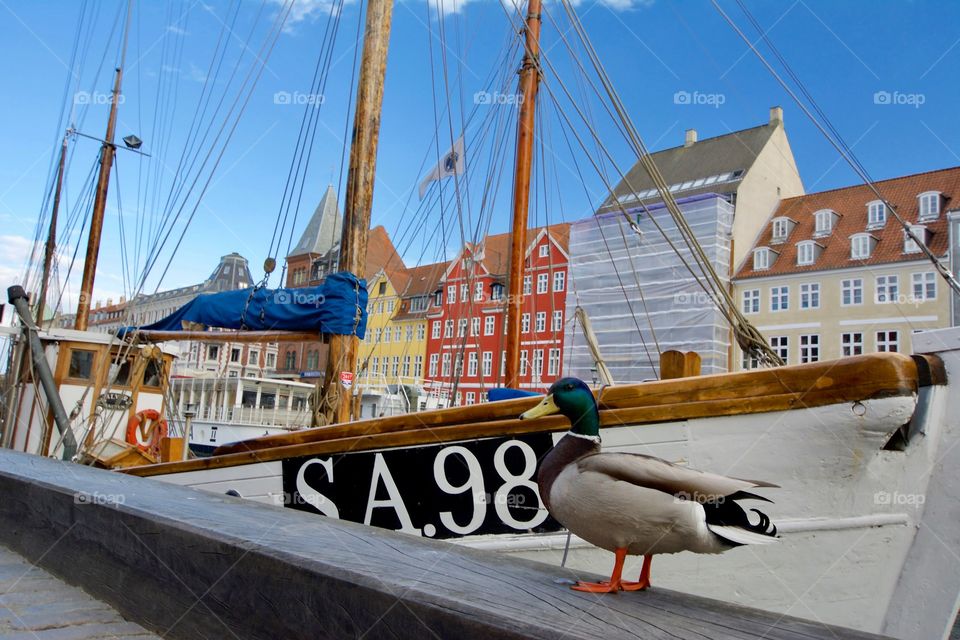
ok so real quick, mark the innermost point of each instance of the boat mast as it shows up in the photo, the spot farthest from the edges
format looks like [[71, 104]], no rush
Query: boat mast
[[529, 82], [342, 355], [52, 233], [107, 151]]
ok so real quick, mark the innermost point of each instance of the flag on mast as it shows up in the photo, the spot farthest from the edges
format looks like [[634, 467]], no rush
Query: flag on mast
[[451, 164]]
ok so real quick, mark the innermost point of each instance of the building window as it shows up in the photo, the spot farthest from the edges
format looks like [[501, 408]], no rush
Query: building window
[[381, 288], [810, 295], [386, 334], [445, 370], [924, 286], [390, 306], [253, 358], [448, 329], [888, 341], [487, 364], [559, 280], [781, 346], [541, 325], [537, 368], [553, 364], [888, 289], [823, 222], [750, 361], [503, 363], [851, 344], [851, 292], [462, 328], [472, 364], [860, 246], [213, 351], [809, 348], [929, 205], [417, 366], [523, 362], [474, 327], [464, 291], [271, 360], [909, 245], [543, 282], [406, 366], [452, 293], [876, 214], [477, 291], [781, 229], [806, 252], [458, 365], [762, 258], [751, 301], [544, 250], [380, 307], [438, 297], [471, 397], [525, 323], [779, 298], [422, 331], [408, 331], [375, 367], [558, 320], [496, 291], [527, 284], [434, 360], [313, 360], [290, 360], [488, 325], [235, 355], [395, 366]]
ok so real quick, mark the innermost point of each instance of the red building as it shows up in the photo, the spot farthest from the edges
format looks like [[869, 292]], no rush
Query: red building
[[466, 320]]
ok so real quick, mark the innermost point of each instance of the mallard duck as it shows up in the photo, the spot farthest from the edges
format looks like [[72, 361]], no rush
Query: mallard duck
[[632, 504]]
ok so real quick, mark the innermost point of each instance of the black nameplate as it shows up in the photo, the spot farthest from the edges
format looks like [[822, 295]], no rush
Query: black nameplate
[[440, 491]]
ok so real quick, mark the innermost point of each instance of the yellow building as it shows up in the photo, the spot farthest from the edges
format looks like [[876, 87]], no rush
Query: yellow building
[[834, 273]]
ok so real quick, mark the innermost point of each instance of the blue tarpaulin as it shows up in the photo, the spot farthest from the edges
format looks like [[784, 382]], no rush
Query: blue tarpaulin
[[506, 393], [338, 306]]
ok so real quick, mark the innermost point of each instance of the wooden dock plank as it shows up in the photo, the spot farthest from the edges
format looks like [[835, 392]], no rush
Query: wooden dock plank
[[191, 564]]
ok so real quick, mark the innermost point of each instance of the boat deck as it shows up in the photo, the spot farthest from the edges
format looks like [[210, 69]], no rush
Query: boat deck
[[36, 605], [202, 565]]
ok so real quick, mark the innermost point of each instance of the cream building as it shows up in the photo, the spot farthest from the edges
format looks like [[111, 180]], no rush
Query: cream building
[[833, 273]]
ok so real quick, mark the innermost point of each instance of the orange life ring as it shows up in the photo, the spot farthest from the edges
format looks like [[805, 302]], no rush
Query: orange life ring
[[148, 441]]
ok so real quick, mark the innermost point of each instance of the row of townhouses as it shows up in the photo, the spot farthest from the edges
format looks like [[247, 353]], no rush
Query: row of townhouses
[[822, 275]]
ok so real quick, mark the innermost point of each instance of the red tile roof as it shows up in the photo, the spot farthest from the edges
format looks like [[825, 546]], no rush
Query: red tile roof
[[851, 204], [496, 252]]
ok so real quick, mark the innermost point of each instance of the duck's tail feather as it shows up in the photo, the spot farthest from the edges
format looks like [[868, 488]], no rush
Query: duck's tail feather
[[728, 520]]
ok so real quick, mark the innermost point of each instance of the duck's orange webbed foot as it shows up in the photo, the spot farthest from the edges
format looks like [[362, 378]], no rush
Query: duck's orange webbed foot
[[615, 583]]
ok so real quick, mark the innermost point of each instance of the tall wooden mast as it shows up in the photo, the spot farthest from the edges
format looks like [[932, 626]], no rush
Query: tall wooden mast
[[529, 82], [342, 356], [107, 151], [52, 233]]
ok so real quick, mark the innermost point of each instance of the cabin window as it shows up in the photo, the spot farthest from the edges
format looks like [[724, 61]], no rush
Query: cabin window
[[268, 400], [153, 374], [81, 364], [122, 378], [213, 433]]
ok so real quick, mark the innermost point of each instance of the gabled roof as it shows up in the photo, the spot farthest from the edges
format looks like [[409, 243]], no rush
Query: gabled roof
[[496, 248], [422, 280], [851, 205], [718, 158], [323, 230], [382, 255]]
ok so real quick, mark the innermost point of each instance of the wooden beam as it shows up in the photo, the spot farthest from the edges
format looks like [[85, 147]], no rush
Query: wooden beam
[[342, 355]]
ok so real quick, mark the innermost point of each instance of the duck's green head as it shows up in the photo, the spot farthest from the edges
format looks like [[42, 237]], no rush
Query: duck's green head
[[572, 398]]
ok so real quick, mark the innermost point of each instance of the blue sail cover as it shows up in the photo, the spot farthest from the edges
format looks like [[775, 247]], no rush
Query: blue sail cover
[[332, 307]]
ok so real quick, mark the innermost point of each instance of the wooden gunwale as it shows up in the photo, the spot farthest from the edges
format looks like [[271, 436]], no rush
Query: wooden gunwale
[[802, 386]]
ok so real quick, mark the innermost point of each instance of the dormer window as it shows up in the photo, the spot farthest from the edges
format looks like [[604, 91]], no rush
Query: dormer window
[[929, 205], [781, 229], [876, 214], [861, 246], [438, 297], [921, 232], [496, 291], [763, 257], [824, 221], [807, 252]]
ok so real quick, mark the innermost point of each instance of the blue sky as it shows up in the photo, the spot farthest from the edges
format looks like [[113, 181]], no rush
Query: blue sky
[[845, 53]]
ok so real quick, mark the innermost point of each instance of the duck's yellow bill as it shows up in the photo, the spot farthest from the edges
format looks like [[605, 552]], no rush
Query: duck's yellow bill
[[545, 408]]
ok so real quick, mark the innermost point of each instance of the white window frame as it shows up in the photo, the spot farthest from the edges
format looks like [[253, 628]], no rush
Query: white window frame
[[823, 222], [883, 341], [558, 320], [451, 294], [853, 286], [851, 343], [474, 327], [751, 301], [925, 200], [487, 364], [809, 348], [553, 362], [477, 291], [472, 364], [780, 298], [909, 246], [462, 324], [806, 252], [527, 285], [762, 258], [525, 323], [541, 322], [781, 345], [489, 325], [545, 250], [860, 246], [876, 214], [887, 289], [781, 229], [543, 282], [448, 328], [434, 362], [923, 285], [810, 295], [559, 280]]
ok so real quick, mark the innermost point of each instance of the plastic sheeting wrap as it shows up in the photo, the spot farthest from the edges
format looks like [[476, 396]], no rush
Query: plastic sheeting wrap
[[608, 259], [332, 307]]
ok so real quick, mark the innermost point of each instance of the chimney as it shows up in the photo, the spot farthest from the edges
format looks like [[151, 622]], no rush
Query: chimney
[[109, 302], [776, 116], [97, 305], [690, 138], [123, 299]]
